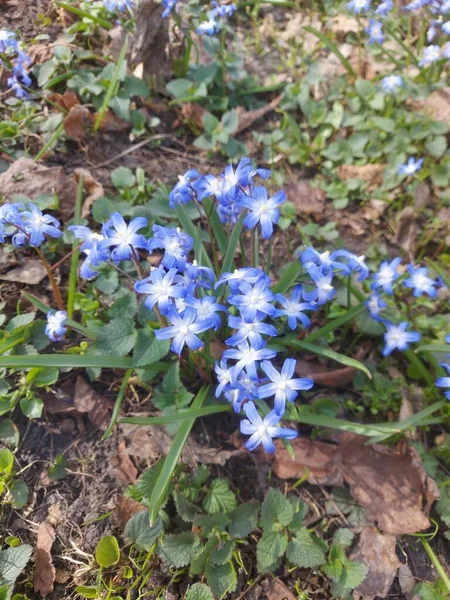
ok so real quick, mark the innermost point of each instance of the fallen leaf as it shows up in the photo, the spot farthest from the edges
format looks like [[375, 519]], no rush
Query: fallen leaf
[[125, 509], [341, 25], [92, 187], [87, 400], [67, 100], [334, 379], [44, 573], [436, 105], [373, 209], [75, 121], [406, 231], [153, 442], [110, 122], [377, 551], [40, 53], [31, 273], [406, 579], [372, 174], [194, 113], [27, 178], [126, 472], [322, 462], [422, 196], [307, 199], [389, 482], [248, 117], [62, 576], [275, 589]]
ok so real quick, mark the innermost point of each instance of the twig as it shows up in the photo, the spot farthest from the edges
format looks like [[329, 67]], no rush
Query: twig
[[131, 149]]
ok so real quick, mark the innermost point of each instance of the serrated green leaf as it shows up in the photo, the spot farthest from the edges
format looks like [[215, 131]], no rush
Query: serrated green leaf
[[186, 510], [107, 552], [124, 307], [219, 497], [333, 571], [353, 574], [139, 532], [221, 579], [222, 552], [148, 348], [301, 509], [179, 549], [116, 338], [343, 537], [171, 393], [210, 522], [303, 552], [244, 519], [269, 549], [276, 509], [13, 561], [199, 591]]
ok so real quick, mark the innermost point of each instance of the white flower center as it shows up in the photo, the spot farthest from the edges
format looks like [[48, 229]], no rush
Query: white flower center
[[184, 329]]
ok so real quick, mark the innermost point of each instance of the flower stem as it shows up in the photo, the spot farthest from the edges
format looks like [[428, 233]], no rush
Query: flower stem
[[436, 563], [55, 287]]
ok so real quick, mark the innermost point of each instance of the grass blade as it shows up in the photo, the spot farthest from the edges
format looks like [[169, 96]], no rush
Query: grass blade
[[171, 460], [216, 225], [333, 48], [335, 324], [10, 341], [336, 356], [181, 416], [118, 403], [189, 227], [287, 279], [73, 361], [112, 86], [228, 261], [51, 140], [76, 253], [82, 13], [444, 348]]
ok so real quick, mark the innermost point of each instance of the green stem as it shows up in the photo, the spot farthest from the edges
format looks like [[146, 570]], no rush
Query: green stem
[[55, 135], [112, 86], [76, 253], [255, 248], [269, 257], [118, 403], [84, 14], [436, 563], [415, 362]]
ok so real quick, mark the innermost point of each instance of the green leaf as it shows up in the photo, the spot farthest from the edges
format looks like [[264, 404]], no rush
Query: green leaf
[[13, 561], [244, 519], [148, 348], [276, 508], [199, 591], [32, 407], [216, 225], [176, 417], [289, 276], [185, 509], [179, 549], [221, 579], [333, 48], [210, 122], [189, 227], [140, 533], [228, 260], [230, 121], [436, 146], [102, 209], [172, 458], [107, 552], [219, 497], [119, 67], [45, 72], [19, 493], [171, 393], [270, 548], [20, 321], [6, 461], [123, 178], [125, 306], [133, 86], [43, 377], [336, 356], [303, 551], [353, 574], [116, 338], [222, 553], [88, 591], [343, 537], [58, 470], [66, 361], [9, 434]]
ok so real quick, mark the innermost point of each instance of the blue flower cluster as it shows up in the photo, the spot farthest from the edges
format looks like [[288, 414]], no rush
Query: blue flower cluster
[[12, 51], [26, 226], [444, 382], [55, 328], [118, 5], [215, 18]]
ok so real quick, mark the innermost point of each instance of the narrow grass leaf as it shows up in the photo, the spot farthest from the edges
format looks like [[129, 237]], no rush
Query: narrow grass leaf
[[118, 403], [112, 86], [333, 48], [85, 14], [65, 361], [216, 225], [192, 230], [177, 417], [287, 279], [228, 261]]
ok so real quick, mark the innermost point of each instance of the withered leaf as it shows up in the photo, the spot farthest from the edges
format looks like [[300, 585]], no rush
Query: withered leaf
[[125, 509], [110, 122], [126, 472], [31, 272], [74, 122], [372, 174], [87, 400], [44, 573], [275, 589], [92, 187], [436, 105], [377, 551], [306, 199], [248, 117], [406, 231], [67, 100]]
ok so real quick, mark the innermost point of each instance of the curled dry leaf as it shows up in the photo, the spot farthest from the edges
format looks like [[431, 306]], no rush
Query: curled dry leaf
[[126, 472], [40, 53], [377, 551], [194, 113], [92, 187], [87, 400], [373, 209], [372, 174], [390, 483], [67, 100], [125, 509], [44, 573], [248, 117], [32, 272]]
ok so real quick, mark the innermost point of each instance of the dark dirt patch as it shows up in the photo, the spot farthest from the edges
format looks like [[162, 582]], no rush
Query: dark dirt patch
[[30, 18]]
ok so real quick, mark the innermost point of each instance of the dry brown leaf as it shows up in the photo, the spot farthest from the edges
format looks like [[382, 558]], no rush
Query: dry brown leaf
[[342, 24], [193, 112], [334, 379], [275, 589], [92, 187], [373, 209], [67, 100], [306, 199], [26, 177], [125, 509], [377, 551], [406, 579], [436, 105], [372, 174], [62, 576], [44, 573], [151, 42], [110, 122], [126, 472], [390, 483], [422, 196], [40, 53], [248, 117], [31, 273], [87, 400], [323, 461], [153, 442], [406, 231], [74, 122]]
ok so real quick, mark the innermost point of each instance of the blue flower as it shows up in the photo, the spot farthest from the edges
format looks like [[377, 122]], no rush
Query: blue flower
[[95, 255], [38, 225], [430, 55], [324, 260], [323, 291], [444, 382], [293, 308], [249, 329], [446, 27], [446, 51], [169, 5], [416, 4], [183, 192], [283, 386], [208, 185], [124, 237], [209, 27], [234, 279], [55, 328], [385, 7], [89, 237], [246, 357], [355, 264], [202, 277], [236, 178], [386, 276], [8, 41], [160, 289], [375, 32], [176, 244], [432, 31], [375, 304], [120, 5], [183, 330], [391, 84], [397, 338], [420, 282], [224, 376], [411, 167], [224, 10], [358, 6], [261, 431], [253, 299], [207, 309], [262, 209]]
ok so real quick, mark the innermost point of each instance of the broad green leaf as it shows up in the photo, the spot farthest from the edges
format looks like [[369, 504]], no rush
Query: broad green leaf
[[219, 497], [353, 574], [116, 338], [436, 146], [43, 377], [19, 493], [222, 552], [343, 537], [221, 579], [199, 591], [276, 509], [9, 434], [171, 393], [32, 407], [6, 461], [304, 552], [148, 349], [123, 178], [102, 209], [270, 548], [13, 561], [107, 552], [209, 522], [58, 470], [179, 549], [139, 532], [185, 509], [244, 519], [88, 591]]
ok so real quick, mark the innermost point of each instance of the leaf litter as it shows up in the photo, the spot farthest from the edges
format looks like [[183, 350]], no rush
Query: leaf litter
[[44, 572]]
